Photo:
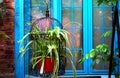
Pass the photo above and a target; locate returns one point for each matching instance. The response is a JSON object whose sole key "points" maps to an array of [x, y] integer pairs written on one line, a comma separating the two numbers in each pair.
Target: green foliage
{"points": [[2, 9], [48, 43], [3, 35], [100, 53], [106, 2]]}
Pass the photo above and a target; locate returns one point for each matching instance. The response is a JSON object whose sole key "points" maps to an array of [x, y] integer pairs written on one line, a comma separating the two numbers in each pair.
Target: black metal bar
{"points": [[112, 43]]}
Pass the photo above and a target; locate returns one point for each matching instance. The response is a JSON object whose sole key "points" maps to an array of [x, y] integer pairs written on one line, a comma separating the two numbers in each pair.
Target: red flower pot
{"points": [[48, 64]]}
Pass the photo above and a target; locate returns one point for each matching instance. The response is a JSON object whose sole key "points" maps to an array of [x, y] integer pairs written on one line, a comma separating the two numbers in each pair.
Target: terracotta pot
{"points": [[48, 65]]}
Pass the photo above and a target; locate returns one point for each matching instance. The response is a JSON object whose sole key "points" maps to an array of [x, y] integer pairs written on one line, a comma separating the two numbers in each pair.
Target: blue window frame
{"points": [[22, 14], [19, 32]]}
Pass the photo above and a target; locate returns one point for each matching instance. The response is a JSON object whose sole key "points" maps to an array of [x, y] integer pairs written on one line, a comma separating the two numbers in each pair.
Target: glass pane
{"points": [[78, 38], [66, 2], [102, 20], [77, 56], [108, 17], [106, 65], [96, 37], [98, 66], [68, 64], [35, 13], [77, 2], [35, 2], [108, 39], [78, 16], [66, 18], [97, 17], [40, 2], [72, 21]]}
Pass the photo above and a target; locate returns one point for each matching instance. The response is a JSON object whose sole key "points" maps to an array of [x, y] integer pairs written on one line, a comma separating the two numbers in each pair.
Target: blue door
{"points": [[82, 18]]}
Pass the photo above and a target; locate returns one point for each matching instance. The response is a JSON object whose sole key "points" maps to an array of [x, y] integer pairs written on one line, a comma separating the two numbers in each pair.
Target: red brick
{"points": [[9, 13], [6, 61], [2, 42], [1, 22], [2, 47], [8, 1], [6, 70], [3, 65], [9, 33], [8, 24], [6, 57], [10, 42], [7, 46], [9, 51], [9, 5], [2, 52], [10, 19]]}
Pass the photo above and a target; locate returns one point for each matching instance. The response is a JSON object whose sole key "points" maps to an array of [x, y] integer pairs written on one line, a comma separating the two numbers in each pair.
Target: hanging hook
{"points": [[45, 2], [47, 10]]}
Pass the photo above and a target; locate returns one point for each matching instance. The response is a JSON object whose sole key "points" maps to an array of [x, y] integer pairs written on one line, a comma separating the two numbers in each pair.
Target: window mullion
{"points": [[19, 33], [85, 32], [57, 10], [90, 31]]}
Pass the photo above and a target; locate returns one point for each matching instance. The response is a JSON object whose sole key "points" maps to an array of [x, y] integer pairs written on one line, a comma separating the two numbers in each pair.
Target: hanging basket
{"points": [[49, 22]]}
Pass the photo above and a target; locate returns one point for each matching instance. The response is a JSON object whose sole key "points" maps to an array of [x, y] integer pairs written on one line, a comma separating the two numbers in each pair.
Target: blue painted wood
{"points": [[85, 33], [118, 68], [19, 32], [27, 27], [116, 46], [90, 33], [119, 11], [56, 9]]}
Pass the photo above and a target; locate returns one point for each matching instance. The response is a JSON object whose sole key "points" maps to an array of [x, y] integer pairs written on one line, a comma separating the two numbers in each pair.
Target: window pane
{"points": [[35, 13], [108, 39], [40, 2], [78, 16], [77, 56], [72, 21], [66, 18], [66, 2], [102, 22], [108, 17], [96, 37], [78, 38], [35, 2], [98, 66], [97, 17], [77, 2]]}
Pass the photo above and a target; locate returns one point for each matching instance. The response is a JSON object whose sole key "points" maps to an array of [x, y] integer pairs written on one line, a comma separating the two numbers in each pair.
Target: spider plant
{"points": [[48, 43]]}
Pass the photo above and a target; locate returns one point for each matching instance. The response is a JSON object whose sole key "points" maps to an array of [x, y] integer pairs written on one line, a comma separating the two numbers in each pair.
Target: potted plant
{"points": [[46, 46]]}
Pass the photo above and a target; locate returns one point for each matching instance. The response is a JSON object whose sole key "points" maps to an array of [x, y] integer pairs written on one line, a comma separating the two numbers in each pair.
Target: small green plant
{"points": [[101, 53], [106, 2]]}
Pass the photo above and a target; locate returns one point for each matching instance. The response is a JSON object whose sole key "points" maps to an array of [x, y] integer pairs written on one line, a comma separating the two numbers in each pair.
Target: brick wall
{"points": [[7, 46]]}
